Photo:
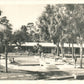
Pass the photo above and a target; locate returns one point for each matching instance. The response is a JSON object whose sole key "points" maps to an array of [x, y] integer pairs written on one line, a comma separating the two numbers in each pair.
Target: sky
{"points": [[21, 14]]}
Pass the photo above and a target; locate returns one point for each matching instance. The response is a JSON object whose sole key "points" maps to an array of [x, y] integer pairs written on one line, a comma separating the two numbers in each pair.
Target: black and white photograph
{"points": [[41, 41]]}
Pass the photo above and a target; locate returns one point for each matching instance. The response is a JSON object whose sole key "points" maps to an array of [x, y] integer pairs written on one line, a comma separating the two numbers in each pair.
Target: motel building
{"points": [[48, 47]]}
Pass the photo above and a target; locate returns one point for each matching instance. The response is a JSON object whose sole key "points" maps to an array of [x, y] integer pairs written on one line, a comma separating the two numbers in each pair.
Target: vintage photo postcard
{"points": [[41, 40]]}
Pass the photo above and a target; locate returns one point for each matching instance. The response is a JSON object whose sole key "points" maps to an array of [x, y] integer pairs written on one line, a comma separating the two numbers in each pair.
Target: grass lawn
{"points": [[27, 60], [14, 74], [29, 75], [35, 75]]}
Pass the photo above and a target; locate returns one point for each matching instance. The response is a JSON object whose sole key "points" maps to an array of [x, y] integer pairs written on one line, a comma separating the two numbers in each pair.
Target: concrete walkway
{"points": [[12, 77]]}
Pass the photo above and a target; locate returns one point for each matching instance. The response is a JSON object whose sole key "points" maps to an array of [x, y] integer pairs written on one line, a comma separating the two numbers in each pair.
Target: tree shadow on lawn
{"points": [[16, 63], [36, 75], [46, 75]]}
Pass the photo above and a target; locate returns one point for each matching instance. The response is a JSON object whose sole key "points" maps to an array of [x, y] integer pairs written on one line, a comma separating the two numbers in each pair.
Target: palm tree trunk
{"points": [[81, 55], [57, 49], [62, 50], [69, 46], [72, 50], [69, 49]]}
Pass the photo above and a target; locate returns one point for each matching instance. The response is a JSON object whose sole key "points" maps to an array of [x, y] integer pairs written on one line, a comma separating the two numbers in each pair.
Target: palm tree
{"points": [[6, 31]]}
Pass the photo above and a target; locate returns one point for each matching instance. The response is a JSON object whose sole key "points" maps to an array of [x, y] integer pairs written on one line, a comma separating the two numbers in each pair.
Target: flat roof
{"points": [[45, 44], [42, 44]]}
